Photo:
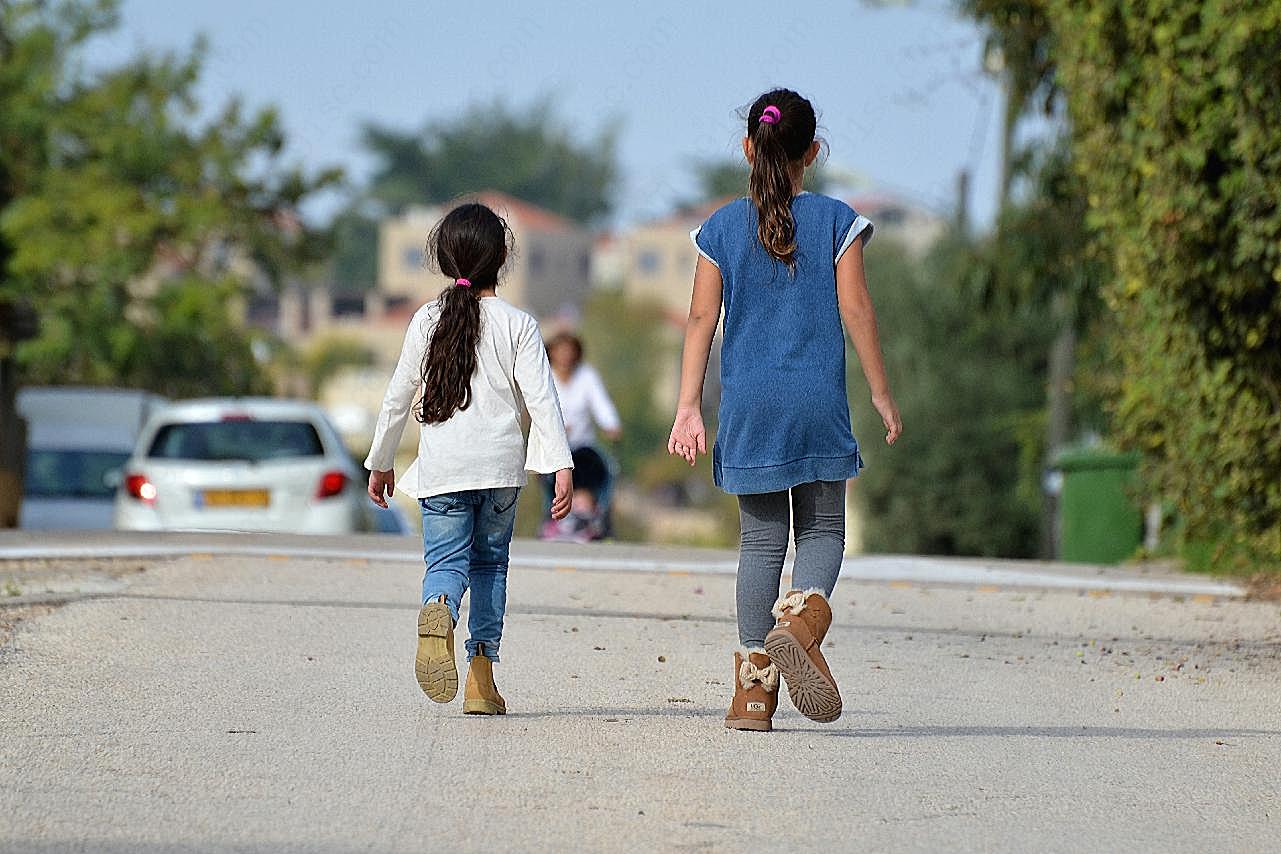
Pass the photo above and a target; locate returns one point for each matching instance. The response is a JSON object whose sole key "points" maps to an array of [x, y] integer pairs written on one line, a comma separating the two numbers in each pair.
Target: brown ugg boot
{"points": [[793, 644], [755, 692], [434, 662], [481, 696]]}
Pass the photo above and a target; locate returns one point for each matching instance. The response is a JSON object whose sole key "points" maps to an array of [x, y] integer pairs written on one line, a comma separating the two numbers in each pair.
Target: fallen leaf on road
{"points": [[662, 659]]}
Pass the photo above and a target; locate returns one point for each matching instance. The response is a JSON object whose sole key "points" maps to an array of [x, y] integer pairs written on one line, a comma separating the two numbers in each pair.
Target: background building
{"points": [[549, 275], [659, 259], [913, 227], [656, 259]]}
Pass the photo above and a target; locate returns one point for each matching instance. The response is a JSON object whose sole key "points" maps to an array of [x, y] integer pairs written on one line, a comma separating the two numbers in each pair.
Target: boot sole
{"points": [[749, 724], [813, 694], [434, 663], [482, 707]]}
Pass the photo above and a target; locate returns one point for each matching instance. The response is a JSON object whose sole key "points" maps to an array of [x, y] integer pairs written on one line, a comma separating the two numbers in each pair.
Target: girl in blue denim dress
{"points": [[473, 362], [787, 268]]}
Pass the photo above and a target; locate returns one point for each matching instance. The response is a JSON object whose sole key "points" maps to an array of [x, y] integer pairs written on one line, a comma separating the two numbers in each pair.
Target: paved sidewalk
{"points": [[267, 703]]}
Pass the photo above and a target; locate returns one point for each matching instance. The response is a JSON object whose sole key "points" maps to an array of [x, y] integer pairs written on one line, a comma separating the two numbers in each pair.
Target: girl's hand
{"points": [[564, 495], [888, 410], [689, 436], [382, 485]]}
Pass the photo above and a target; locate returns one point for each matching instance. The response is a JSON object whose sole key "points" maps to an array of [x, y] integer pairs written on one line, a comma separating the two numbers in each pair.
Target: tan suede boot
{"points": [[755, 692], [481, 696], [434, 662], [793, 645]]}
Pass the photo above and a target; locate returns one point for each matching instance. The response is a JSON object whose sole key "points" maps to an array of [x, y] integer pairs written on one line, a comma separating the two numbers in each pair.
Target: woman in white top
{"points": [[586, 406], [478, 362], [583, 399]]}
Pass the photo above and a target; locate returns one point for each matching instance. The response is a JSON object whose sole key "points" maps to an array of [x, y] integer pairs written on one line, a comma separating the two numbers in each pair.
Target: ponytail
{"points": [[770, 187], [451, 357], [470, 245], [781, 126]]}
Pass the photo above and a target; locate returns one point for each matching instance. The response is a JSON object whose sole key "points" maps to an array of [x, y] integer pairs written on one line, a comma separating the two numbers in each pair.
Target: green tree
{"points": [[968, 366], [529, 153], [1019, 50], [631, 344], [354, 235], [1173, 108], [129, 223], [1047, 227], [717, 178], [326, 358]]}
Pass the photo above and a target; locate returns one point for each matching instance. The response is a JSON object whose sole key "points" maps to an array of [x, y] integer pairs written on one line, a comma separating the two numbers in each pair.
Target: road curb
{"points": [[897, 570]]}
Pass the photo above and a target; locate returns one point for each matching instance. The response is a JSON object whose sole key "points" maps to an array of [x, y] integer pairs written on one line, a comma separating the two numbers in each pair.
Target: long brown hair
{"points": [[776, 146], [470, 244]]}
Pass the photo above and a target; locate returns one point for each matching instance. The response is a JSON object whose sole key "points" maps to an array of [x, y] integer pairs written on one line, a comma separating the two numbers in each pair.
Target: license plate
{"points": [[235, 498]]}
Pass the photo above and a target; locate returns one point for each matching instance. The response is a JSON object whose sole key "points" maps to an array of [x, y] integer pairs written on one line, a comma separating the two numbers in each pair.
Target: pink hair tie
{"points": [[770, 115], [463, 283]]}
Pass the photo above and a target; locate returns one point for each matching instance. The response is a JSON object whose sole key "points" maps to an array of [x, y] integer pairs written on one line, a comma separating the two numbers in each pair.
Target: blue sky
{"points": [[904, 105]]}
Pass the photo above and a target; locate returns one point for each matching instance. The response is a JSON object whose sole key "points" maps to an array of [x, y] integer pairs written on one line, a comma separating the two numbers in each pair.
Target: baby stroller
{"points": [[589, 515]]}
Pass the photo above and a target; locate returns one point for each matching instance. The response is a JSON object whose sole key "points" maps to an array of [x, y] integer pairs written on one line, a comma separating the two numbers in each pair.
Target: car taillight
{"points": [[140, 488], [331, 484]]}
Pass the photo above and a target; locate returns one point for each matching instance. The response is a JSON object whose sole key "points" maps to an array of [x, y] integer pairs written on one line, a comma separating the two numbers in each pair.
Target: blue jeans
{"points": [[467, 537]]}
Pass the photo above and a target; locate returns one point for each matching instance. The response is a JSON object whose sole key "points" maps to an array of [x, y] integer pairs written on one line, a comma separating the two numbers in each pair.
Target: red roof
{"points": [[527, 214], [870, 202]]}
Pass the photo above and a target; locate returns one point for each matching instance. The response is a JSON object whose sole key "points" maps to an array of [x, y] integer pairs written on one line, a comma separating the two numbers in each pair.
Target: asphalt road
{"points": [[255, 698]]}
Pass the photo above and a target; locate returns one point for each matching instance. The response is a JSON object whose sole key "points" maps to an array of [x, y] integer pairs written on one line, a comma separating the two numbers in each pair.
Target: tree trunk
{"points": [[12, 442]]}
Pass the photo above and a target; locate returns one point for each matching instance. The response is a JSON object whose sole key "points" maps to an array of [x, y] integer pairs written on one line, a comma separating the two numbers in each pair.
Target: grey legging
{"points": [[818, 512]]}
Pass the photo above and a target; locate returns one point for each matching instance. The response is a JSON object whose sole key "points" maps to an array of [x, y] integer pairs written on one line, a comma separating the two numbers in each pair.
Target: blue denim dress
{"points": [[784, 413]]}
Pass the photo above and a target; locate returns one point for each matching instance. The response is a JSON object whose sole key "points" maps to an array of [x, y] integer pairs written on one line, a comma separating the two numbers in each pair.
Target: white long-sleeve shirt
{"points": [[482, 446], [585, 403]]}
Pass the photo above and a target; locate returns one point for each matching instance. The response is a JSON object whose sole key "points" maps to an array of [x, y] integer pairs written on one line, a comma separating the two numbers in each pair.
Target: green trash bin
{"points": [[1099, 520]]}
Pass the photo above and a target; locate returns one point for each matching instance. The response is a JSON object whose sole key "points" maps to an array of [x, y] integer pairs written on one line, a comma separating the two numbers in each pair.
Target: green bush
{"points": [[1174, 110]]}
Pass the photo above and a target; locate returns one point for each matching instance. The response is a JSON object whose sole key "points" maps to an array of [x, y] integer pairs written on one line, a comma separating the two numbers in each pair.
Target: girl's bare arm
{"points": [[860, 321], [689, 437]]}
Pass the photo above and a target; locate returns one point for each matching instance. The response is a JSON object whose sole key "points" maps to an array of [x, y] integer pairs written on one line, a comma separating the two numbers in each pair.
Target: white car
{"points": [[242, 464]]}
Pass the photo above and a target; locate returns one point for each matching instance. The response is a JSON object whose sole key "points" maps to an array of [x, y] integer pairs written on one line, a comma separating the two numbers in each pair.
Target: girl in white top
{"points": [[478, 362]]}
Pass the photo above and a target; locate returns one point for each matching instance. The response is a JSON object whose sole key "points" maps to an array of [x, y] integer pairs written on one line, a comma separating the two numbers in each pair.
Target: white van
{"points": [[77, 442]]}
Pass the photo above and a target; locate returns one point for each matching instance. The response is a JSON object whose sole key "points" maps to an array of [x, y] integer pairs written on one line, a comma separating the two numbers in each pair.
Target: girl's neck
{"points": [[798, 179]]}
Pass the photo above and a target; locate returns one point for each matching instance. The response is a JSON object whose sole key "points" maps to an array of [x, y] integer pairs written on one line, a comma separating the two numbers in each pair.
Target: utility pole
{"points": [[1058, 416]]}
